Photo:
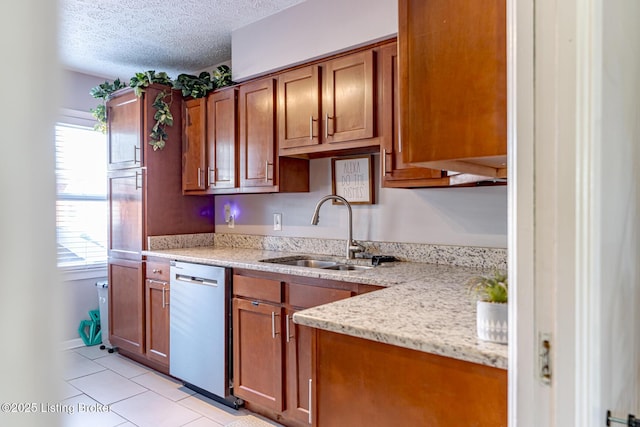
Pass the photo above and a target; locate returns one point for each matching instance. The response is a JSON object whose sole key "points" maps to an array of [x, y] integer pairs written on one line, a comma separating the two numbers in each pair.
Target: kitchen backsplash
{"points": [[464, 256], [158, 243]]}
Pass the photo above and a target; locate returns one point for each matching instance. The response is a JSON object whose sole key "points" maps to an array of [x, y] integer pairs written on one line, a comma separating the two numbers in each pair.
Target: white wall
{"points": [[308, 30], [81, 296], [76, 87], [619, 209], [474, 216]]}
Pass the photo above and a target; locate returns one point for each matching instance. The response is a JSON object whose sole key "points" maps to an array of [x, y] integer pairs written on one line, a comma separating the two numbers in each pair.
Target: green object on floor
{"points": [[95, 316], [89, 330]]}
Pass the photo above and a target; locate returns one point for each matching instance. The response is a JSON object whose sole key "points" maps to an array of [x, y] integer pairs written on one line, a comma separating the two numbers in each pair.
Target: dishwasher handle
{"points": [[196, 280]]}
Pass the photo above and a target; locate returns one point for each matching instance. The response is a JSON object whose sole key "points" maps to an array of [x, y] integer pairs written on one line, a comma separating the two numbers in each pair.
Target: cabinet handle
{"points": [[326, 125], [199, 180], [164, 301], [310, 398], [266, 171], [311, 120], [288, 328], [135, 154], [212, 182], [138, 174], [286, 321], [273, 325], [384, 162]]}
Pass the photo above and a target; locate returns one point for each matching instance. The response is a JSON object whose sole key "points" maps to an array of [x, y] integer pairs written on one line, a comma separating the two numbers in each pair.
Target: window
{"points": [[81, 205]]}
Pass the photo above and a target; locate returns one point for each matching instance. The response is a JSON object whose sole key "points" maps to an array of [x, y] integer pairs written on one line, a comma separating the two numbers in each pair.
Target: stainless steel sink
{"points": [[348, 267], [312, 262]]}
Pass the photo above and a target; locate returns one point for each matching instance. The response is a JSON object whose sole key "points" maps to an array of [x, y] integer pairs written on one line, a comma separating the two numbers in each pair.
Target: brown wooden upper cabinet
{"points": [[261, 169], [194, 144], [222, 139], [210, 144], [328, 106], [452, 57], [395, 172], [257, 133], [125, 113]]}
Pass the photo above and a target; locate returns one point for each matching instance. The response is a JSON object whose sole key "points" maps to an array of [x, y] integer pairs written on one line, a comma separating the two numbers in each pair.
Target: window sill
{"points": [[68, 274]]}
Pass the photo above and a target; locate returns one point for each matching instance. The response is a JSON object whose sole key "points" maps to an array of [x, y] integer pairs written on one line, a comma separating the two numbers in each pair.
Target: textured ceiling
{"points": [[117, 38]]}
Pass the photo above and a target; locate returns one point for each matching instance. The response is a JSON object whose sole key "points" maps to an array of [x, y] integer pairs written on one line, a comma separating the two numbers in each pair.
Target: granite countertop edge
{"points": [[424, 306]]}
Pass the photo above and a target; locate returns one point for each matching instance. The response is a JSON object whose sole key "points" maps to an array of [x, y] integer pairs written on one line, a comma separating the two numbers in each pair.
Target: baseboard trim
{"points": [[71, 344]]}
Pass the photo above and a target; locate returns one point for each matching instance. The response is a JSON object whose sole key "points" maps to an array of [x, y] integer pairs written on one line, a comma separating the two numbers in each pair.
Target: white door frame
{"points": [[520, 125], [553, 238]]}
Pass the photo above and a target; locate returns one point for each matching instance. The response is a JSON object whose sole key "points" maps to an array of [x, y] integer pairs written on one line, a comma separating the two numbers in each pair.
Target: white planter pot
{"points": [[492, 321]]}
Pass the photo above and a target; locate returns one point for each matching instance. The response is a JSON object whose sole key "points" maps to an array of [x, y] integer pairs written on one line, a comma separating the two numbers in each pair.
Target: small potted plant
{"points": [[492, 293]]}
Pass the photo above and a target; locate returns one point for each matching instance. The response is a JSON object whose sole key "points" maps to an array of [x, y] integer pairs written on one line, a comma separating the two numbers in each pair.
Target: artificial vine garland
{"points": [[193, 86], [163, 116], [103, 91]]}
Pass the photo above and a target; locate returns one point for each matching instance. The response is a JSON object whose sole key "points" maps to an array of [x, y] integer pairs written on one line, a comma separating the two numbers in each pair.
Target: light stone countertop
{"points": [[424, 307]]}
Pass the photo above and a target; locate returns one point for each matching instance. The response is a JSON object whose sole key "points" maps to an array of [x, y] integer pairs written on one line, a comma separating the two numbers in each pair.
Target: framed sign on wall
{"points": [[352, 178]]}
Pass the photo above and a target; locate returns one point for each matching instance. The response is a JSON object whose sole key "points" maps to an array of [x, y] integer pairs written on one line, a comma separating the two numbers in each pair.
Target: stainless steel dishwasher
{"points": [[200, 330]]}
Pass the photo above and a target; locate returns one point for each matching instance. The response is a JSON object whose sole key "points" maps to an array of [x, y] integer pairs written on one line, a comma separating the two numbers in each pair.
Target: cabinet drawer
{"points": [[305, 296], [158, 270], [256, 288]]}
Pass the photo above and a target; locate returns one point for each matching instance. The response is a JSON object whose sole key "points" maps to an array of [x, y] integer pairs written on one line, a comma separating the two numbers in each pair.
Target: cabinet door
{"points": [[157, 321], [124, 121], [298, 345], [126, 305], [348, 103], [299, 108], [257, 133], [257, 353], [222, 140], [193, 145], [299, 368], [453, 84], [126, 233], [395, 172]]}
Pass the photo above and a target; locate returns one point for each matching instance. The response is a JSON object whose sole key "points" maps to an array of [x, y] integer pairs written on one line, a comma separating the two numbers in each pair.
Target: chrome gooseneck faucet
{"points": [[352, 245]]}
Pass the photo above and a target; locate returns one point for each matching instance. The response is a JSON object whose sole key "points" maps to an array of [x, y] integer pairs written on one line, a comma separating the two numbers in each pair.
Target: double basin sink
{"points": [[312, 262]]}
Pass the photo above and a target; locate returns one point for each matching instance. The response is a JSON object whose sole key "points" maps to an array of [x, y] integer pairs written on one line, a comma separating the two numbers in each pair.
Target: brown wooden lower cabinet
{"points": [[360, 383], [271, 354], [126, 305], [298, 369], [157, 321], [257, 349], [139, 310]]}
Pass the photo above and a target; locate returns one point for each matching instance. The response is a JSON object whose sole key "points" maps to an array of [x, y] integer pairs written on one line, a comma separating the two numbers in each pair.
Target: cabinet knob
{"points": [[157, 271]]}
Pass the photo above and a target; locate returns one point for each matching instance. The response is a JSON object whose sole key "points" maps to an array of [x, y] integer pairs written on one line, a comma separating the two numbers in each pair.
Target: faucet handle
{"points": [[355, 247]]}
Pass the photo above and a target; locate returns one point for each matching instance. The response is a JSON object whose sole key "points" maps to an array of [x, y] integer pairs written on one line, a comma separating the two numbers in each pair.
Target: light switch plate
{"points": [[277, 221]]}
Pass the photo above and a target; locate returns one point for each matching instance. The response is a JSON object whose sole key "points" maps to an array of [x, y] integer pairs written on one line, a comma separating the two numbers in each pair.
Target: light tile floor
{"points": [[137, 396]]}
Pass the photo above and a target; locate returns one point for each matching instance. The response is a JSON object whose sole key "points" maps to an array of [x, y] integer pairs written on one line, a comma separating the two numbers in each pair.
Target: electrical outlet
{"points": [[232, 222], [277, 221], [227, 212]]}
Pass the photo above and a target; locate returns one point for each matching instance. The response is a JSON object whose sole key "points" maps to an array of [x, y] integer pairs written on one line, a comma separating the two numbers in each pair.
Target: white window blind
{"points": [[81, 206]]}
